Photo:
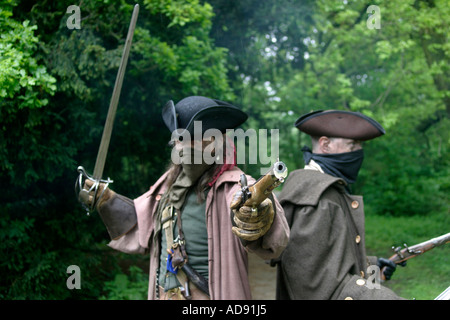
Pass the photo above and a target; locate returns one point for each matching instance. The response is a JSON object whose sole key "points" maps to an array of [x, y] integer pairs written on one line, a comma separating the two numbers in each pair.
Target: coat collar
{"points": [[232, 175], [304, 187]]}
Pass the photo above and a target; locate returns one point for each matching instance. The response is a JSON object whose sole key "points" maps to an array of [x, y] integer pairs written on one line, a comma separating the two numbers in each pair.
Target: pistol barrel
{"points": [[262, 188]]}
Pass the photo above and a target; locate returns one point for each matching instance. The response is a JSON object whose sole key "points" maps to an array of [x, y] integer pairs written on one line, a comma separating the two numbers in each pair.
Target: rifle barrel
{"points": [[418, 249]]}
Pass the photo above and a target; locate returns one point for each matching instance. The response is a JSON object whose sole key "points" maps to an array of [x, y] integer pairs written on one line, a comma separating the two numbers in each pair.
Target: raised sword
{"points": [[83, 194]]}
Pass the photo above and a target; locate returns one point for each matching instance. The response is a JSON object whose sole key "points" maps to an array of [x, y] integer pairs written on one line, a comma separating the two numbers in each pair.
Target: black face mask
{"points": [[341, 165]]}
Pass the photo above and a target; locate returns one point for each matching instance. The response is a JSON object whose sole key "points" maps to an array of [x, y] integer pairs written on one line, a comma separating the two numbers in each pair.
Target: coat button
{"points": [[158, 197], [355, 204], [358, 239], [360, 282]]}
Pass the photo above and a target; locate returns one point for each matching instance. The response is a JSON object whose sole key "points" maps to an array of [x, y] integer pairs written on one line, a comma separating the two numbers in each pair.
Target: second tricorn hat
{"points": [[339, 124]]}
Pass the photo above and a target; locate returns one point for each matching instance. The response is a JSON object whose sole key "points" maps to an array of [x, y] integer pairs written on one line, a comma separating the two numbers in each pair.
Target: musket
{"points": [[409, 252], [82, 194]]}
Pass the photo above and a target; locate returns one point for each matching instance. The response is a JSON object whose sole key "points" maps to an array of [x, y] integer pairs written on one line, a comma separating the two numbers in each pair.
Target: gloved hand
{"points": [[389, 267], [101, 197], [251, 223]]}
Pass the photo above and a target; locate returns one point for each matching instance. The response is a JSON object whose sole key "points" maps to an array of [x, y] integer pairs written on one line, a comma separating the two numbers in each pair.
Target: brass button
{"points": [[355, 204], [358, 239], [348, 298], [158, 197], [360, 282]]}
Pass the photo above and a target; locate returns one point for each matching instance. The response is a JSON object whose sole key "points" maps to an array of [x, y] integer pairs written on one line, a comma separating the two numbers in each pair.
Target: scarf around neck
{"points": [[187, 178], [341, 165]]}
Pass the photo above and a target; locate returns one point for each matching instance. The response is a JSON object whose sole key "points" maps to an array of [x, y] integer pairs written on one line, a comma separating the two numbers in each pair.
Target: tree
{"points": [[266, 49], [57, 83], [26, 87], [326, 55]]}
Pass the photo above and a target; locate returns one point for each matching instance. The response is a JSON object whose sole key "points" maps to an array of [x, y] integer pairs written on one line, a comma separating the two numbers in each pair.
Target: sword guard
{"points": [[83, 194]]}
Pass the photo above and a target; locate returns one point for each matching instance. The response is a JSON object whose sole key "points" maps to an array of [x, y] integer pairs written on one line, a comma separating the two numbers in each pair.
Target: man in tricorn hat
{"points": [[325, 257], [183, 222]]}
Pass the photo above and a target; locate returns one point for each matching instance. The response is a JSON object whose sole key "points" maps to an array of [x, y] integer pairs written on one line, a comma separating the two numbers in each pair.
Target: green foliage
{"points": [[182, 12], [416, 173], [25, 88], [56, 85], [35, 254], [397, 74], [127, 287]]}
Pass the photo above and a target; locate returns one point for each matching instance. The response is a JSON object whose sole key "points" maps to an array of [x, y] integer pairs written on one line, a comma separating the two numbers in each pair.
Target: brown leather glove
{"points": [[251, 223], [101, 197], [116, 211]]}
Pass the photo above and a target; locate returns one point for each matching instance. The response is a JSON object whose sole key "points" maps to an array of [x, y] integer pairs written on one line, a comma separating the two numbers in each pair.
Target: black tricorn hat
{"points": [[339, 124], [214, 114]]}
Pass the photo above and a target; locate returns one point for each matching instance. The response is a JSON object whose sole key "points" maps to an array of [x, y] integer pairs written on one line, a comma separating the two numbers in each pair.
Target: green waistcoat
{"points": [[193, 221]]}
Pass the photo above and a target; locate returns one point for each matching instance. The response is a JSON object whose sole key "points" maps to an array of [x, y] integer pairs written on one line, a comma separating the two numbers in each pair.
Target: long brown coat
{"points": [[228, 261], [325, 257]]}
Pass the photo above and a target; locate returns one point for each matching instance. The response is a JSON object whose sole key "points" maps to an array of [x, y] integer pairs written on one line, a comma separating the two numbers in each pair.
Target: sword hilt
{"points": [[83, 194]]}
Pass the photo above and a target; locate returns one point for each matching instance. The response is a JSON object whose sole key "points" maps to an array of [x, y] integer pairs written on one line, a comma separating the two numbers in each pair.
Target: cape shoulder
{"points": [[304, 187]]}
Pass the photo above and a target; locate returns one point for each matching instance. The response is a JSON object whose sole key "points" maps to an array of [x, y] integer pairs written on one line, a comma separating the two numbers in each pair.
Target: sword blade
{"points": [[106, 136]]}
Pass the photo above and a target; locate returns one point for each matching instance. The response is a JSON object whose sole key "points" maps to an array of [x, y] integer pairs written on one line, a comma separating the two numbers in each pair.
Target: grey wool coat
{"points": [[325, 257]]}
